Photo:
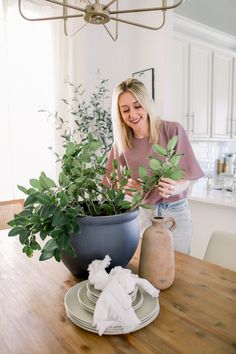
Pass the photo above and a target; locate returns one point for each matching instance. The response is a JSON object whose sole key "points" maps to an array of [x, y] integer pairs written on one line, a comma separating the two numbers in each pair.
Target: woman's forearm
{"points": [[181, 186]]}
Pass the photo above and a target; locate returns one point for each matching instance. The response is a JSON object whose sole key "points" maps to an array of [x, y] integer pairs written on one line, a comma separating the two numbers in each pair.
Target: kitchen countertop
{"points": [[198, 192]]}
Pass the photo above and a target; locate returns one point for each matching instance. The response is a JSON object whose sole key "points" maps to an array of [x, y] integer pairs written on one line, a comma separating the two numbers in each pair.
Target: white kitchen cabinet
{"points": [[221, 94], [233, 114], [200, 69], [180, 82], [203, 90], [192, 87]]}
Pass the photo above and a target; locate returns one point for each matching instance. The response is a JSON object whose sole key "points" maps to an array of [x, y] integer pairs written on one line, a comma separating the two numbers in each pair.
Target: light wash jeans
{"points": [[180, 212]]}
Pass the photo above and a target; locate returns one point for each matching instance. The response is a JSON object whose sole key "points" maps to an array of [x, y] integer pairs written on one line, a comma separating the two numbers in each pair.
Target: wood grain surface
{"points": [[197, 313]]}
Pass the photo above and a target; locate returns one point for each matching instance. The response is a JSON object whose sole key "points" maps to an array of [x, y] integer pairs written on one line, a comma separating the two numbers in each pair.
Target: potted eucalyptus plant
{"points": [[77, 218]]}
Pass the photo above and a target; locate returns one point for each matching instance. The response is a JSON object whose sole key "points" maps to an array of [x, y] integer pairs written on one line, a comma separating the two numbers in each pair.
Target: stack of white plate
{"points": [[93, 294], [80, 302]]}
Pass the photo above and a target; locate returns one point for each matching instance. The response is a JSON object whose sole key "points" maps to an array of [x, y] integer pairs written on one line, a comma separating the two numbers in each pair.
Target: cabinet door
{"points": [[233, 115], [200, 73], [221, 95], [180, 82]]}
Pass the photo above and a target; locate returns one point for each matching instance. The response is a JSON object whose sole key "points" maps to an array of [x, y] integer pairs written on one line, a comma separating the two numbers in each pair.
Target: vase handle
{"points": [[172, 222]]}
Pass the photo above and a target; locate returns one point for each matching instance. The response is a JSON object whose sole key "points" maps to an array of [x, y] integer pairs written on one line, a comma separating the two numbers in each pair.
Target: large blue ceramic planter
{"points": [[115, 235]]}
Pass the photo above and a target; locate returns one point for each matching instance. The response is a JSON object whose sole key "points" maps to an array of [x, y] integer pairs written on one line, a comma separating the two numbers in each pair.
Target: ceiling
{"points": [[219, 14]]}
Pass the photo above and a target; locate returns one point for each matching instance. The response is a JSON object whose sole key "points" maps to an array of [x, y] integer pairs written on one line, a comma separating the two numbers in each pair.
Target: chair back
{"points": [[7, 211], [221, 249]]}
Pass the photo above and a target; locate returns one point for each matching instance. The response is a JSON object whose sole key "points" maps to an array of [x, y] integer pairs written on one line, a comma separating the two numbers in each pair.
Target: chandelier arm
{"points": [[140, 24], [43, 18], [71, 35], [114, 38], [65, 14], [110, 34], [109, 4], [65, 4], [162, 8]]}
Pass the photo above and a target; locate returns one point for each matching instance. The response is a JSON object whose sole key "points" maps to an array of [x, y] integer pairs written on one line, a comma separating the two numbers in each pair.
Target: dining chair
{"points": [[221, 249], [8, 209]]}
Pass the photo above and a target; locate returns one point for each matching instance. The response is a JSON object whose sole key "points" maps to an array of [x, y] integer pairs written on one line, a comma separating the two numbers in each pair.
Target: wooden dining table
{"points": [[197, 313]]}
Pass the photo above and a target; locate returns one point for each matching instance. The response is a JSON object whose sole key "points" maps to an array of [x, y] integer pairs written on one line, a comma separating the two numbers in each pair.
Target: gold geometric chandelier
{"points": [[100, 14]]}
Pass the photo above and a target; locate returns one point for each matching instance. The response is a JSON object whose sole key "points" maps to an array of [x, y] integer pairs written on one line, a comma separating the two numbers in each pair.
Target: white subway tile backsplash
{"points": [[207, 153]]}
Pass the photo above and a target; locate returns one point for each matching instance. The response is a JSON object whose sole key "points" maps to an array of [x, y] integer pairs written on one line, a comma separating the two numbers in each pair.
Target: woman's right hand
{"points": [[133, 184]]}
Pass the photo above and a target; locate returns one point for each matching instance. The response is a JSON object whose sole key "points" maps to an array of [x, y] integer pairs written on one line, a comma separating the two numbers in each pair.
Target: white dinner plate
{"points": [[115, 330], [147, 312], [90, 306], [93, 294]]}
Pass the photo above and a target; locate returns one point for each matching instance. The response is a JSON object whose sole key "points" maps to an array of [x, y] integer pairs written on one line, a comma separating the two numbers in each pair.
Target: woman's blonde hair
{"points": [[123, 133]]}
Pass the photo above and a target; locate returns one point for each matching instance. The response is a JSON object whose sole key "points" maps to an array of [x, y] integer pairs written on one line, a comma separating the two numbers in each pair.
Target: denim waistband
{"points": [[165, 205]]}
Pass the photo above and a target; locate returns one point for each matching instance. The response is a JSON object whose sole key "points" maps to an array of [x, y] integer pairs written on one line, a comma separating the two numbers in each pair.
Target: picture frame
{"points": [[147, 77]]}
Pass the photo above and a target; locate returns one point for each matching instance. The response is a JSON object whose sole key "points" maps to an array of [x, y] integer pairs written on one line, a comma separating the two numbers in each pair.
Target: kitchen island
{"points": [[211, 210]]}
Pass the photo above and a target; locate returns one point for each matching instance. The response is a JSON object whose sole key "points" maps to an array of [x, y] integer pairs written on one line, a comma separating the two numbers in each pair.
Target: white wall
{"points": [[136, 49]]}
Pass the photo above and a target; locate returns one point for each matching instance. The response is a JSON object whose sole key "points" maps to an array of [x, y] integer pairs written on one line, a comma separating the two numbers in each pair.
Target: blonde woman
{"points": [[136, 127]]}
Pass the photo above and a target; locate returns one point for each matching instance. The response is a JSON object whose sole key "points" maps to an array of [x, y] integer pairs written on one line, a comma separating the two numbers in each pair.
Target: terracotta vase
{"points": [[157, 262]]}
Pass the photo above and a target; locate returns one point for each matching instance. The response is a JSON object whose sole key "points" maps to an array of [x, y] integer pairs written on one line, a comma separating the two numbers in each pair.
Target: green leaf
{"points": [[146, 206], [12, 223], [51, 245], [18, 220], [15, 231], [35, 218], [70, 251], [43, 234], [101, 159], [64, 180], [95, 145], [46, 182], [159, 149], [142, 172], [29, 252], [35, 246], [59, 219], [35, 183], [43, 198], [70, 149], [31, 191], [23, 236], [155, 164], [63, 241], [57, 255], [46, 255], [171, 144], [22, 189], [63, 198], [30, 200], [111, 193], [137, 198], [177, 174], [175, 160], [27, 212], [47, 211]]}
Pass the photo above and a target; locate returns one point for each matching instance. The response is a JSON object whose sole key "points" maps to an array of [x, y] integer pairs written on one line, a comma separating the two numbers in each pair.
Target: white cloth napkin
{"points": [[114, 305]]}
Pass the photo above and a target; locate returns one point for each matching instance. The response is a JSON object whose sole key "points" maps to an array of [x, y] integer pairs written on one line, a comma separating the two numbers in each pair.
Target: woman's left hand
{"points": [[166, 187], [132, 186]]}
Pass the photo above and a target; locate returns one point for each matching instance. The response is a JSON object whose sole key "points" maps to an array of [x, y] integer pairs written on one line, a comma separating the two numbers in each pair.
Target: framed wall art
{"points": [[147, 77]]}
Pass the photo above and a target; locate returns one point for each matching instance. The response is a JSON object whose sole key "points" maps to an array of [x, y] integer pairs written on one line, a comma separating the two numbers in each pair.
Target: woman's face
{"points": [[133, 114]]}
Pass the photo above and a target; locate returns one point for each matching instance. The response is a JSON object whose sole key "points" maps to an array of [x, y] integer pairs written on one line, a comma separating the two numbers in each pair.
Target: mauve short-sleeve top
{"points": [[142, 149]]}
